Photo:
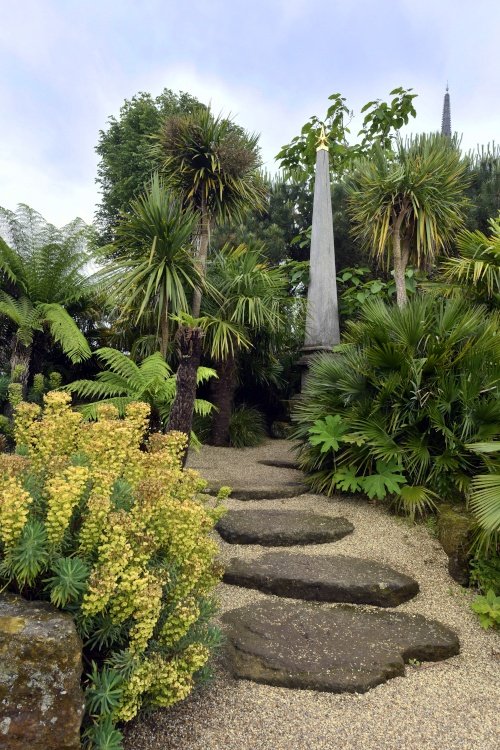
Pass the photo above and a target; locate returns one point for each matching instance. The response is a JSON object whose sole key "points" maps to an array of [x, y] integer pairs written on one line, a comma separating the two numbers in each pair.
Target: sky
{"points": [[67, 65]]}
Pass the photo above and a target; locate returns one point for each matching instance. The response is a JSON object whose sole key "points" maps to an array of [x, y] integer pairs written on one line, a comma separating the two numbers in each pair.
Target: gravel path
{"points": [[450, 705]]}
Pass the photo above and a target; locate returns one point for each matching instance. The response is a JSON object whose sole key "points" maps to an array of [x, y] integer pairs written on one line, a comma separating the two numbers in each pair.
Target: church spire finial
{"points": [[446, 121]]}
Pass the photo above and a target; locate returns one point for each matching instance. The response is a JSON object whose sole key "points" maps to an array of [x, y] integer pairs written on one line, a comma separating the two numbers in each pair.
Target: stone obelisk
{"points": [[322, 319]]}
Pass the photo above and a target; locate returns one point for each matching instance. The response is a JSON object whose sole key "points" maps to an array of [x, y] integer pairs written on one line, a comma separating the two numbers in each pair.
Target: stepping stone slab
{"points": [[266, 492], [335, 649], [323, 578], [281, 528], [280, 463]]}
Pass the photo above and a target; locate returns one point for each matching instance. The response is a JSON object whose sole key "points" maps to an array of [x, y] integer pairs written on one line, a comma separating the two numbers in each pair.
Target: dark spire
{"points": [[446, 121]]}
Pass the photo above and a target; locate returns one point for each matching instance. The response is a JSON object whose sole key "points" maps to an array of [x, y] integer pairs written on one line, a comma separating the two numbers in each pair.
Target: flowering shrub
{"points": [[119, 537]]}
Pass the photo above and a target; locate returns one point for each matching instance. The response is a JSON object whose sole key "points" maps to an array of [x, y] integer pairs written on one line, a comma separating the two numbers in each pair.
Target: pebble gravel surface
{"points": [[450, 705]]}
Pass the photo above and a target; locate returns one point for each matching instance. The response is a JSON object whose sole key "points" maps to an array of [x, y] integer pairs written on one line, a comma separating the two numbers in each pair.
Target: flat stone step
{"points": [[281, 528], [322, 578], [280, 463], [335, 649], [263, 492]]}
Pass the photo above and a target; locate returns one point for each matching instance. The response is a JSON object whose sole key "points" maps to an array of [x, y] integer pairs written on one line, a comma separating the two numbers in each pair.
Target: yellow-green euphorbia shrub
{"points": [[116, 532]]}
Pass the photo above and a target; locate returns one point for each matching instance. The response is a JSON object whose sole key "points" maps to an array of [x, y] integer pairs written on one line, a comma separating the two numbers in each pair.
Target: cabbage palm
{"points": [[213, 165], [152, 267], [42, 273], [476, 269], [406, 204]]}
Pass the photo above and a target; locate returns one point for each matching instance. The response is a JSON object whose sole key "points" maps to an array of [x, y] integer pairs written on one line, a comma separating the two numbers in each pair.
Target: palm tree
{"points": [[125, 381], [41, 275], [476, 269], [251, 297], [152, 266], [213, 165], [408, 203]]}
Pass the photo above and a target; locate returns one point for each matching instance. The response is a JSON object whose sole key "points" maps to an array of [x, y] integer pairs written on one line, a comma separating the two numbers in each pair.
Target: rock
{"points": [[322, 578], [281, 528], [455, 526], [335, 649], [41, 700], [262, 492]]}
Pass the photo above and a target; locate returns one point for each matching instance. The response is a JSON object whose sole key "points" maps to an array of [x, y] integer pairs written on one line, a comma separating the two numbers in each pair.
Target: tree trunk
{"points": [[181, 414], [223, 389], [399, 269], [20, 359], [164, 333], [201, 260]]}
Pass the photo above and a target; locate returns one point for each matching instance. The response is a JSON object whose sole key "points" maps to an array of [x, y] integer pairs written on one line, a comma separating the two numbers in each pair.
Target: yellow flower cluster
{"points": [[167, 681], [14, 510], [184, 614], [143, 531], [51, 439], [63, 494]]}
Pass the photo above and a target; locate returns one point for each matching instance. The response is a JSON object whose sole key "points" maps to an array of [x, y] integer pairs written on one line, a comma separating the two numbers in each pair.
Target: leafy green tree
{"points": [[213, 165], [152, 266], [407, 203], [403, 396], [126, 159], [42, 273]]}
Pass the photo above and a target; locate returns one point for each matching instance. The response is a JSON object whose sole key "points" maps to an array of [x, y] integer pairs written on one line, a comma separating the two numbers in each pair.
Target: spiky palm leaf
{"points": [[484, 500], [152, 265], [476, 269]]}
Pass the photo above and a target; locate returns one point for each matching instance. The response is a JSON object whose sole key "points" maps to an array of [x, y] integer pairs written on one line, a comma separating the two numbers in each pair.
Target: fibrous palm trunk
{"points": [[189, 342], [201, 259], [223, 389]]}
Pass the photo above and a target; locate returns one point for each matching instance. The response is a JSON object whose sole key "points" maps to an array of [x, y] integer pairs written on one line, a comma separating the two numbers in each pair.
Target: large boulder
{"points": [[455, 527], [41, 700]]}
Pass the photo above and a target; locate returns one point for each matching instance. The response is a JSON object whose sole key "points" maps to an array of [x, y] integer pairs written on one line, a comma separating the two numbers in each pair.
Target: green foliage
{"points": [[475, 271], [211, 163], [41, 280], [14, 394], [124, 381], [381, 122], [246, 427], [485, 573], [484, 189], [69, 581], [393, 410], [152, 267], [358, 285], [484, 500], [488, 609], [126, 160], [408, 202]]}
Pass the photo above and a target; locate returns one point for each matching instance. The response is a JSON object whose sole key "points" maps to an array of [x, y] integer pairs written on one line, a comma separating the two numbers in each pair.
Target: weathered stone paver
{"points": [[335, 649], [281, 528], [256, 491], [322, 578]]}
